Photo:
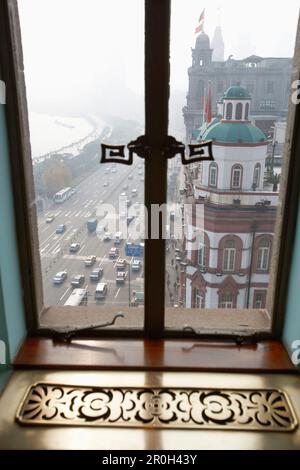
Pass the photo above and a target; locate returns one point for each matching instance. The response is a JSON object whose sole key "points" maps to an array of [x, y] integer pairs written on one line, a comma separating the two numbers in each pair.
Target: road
{"points": [[74, 213]]}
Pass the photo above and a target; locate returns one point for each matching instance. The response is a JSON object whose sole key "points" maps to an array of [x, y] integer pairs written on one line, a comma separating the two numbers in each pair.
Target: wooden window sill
{"points": [[167, 355]]}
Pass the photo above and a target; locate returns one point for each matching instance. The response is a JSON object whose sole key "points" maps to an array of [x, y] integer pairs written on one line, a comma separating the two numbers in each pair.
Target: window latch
{"points": [[197, 152], [68, 335]]}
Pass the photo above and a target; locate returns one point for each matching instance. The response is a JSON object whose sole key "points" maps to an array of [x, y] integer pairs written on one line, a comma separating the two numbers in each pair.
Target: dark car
{"points": [[96, 274], [77, 280], [60, 228]]}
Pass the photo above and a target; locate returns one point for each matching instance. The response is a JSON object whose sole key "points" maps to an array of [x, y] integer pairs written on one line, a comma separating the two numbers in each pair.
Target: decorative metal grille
{"points": [[198, 408]]}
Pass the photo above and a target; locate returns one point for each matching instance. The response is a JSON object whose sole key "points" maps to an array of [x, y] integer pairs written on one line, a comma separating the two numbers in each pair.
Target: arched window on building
{"points": [[236, 177], [229, 111], [229, 255], [202, 255], [247, 111], [199, 299], [263, 254], [213, 174], [226, 300], [238, 111], [256, 176]]}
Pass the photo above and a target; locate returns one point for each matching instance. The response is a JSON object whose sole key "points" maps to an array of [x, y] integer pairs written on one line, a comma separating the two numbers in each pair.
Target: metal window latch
{"points": [[68, 335], [116, 153], [140, 146], [198, 152]]}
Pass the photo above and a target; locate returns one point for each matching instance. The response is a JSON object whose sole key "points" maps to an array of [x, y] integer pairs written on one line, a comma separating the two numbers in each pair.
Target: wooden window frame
{"points": [[157, 32]]}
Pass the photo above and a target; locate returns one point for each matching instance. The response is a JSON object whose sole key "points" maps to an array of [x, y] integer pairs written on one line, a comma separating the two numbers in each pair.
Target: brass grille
{"points": [[197, 408]]}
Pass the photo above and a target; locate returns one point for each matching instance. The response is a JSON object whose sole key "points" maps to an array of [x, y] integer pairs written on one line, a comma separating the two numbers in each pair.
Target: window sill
{"points": [[167, 355]]}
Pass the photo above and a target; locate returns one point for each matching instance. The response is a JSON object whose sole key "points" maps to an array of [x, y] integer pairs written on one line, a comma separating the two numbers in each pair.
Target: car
{"points": [[121, 264], [106, 183], [60, 277], [60, 228], [96, 274], [74, 247], [73, 191], [118, 238], [113, 253], [140, 172], [136, 265], [172, 215], [130, 177], [125, 187], [50, 218], [77, 280], [134, 192], [120, 277], [178, 259], [101, 291], [90, 260], [137, 299], [107, 236], [128, 202], [114, 170], [123, 194]]}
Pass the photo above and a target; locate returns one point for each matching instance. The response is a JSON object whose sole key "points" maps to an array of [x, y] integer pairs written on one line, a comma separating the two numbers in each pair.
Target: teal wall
{"points": [[292, 321], [12, 318]]}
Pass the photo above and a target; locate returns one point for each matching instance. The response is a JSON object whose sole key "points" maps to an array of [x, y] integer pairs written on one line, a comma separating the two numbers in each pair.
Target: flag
{"points": [[208, 105], [200, 27]]}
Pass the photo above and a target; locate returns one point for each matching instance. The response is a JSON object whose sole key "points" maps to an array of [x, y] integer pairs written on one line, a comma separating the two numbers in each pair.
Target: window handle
{"points": [[171, 147]]}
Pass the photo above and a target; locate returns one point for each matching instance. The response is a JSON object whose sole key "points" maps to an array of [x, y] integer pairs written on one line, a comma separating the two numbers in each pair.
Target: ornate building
{"points": [[230, 266], [266, 78]]}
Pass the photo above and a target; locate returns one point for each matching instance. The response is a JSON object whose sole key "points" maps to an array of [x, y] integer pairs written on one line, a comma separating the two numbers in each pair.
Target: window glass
{"points": [[84, 72], [229, 206]]}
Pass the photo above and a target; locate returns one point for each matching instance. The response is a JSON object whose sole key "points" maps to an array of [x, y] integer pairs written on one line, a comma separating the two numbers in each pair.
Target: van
{"points": [[118, 238], [101, 291]]}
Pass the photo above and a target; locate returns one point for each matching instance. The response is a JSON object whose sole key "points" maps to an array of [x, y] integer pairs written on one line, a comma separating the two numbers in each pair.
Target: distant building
{"points": [[229, 268], [266, 78], [218, 45]]}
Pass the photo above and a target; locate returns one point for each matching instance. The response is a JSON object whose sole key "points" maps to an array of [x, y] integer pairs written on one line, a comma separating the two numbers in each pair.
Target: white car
{"points": [[60, 277]]}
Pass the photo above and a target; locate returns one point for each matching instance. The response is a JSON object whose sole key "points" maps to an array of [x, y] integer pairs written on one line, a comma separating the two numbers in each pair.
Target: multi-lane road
{"points": [[74, 213]]}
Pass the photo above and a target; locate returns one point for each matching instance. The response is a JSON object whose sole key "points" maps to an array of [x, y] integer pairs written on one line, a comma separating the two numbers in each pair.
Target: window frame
{"points": [[157, 31]]}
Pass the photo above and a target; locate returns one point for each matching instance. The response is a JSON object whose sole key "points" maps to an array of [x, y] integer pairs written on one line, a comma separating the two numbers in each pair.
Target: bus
{"points": [[63, 195], [78, 297]]}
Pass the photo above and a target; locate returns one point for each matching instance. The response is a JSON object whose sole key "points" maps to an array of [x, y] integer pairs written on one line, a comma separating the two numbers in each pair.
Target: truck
{"points": [[92, 225]]}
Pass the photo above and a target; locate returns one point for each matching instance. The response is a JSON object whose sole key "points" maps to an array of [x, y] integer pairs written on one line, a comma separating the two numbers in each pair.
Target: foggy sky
{"points": [[89, 54]]}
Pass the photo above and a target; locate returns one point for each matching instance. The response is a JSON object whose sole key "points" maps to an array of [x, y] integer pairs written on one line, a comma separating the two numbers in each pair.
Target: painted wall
{"points": [[292, 323], [12, 318]]}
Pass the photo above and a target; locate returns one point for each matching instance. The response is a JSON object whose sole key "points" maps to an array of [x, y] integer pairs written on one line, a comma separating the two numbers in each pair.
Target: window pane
{"points": [[84, 71], [230, 83]]}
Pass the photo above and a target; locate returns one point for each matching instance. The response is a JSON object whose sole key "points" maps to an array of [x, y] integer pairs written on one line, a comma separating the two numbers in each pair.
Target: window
{"points": [[247, 111], [259, 299], [213, 174], [221, 217], [202, 255], [199, 299], [229, 255], [226, 300], [229, 108], [263, 254], [236, 178], [238, 111], [256, 176]]}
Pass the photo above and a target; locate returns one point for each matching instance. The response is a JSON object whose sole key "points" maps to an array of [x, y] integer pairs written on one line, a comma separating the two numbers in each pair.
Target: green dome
{"points": [[236, 92], [234, 133]]}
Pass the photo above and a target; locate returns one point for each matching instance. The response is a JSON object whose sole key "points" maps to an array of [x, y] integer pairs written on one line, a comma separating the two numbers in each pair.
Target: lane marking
{"points": [[117, 293], [64, 294]]}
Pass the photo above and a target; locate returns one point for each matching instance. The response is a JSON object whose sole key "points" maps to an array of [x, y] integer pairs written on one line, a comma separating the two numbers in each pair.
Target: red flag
{"points": [[208, 104], [200, 27]]}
